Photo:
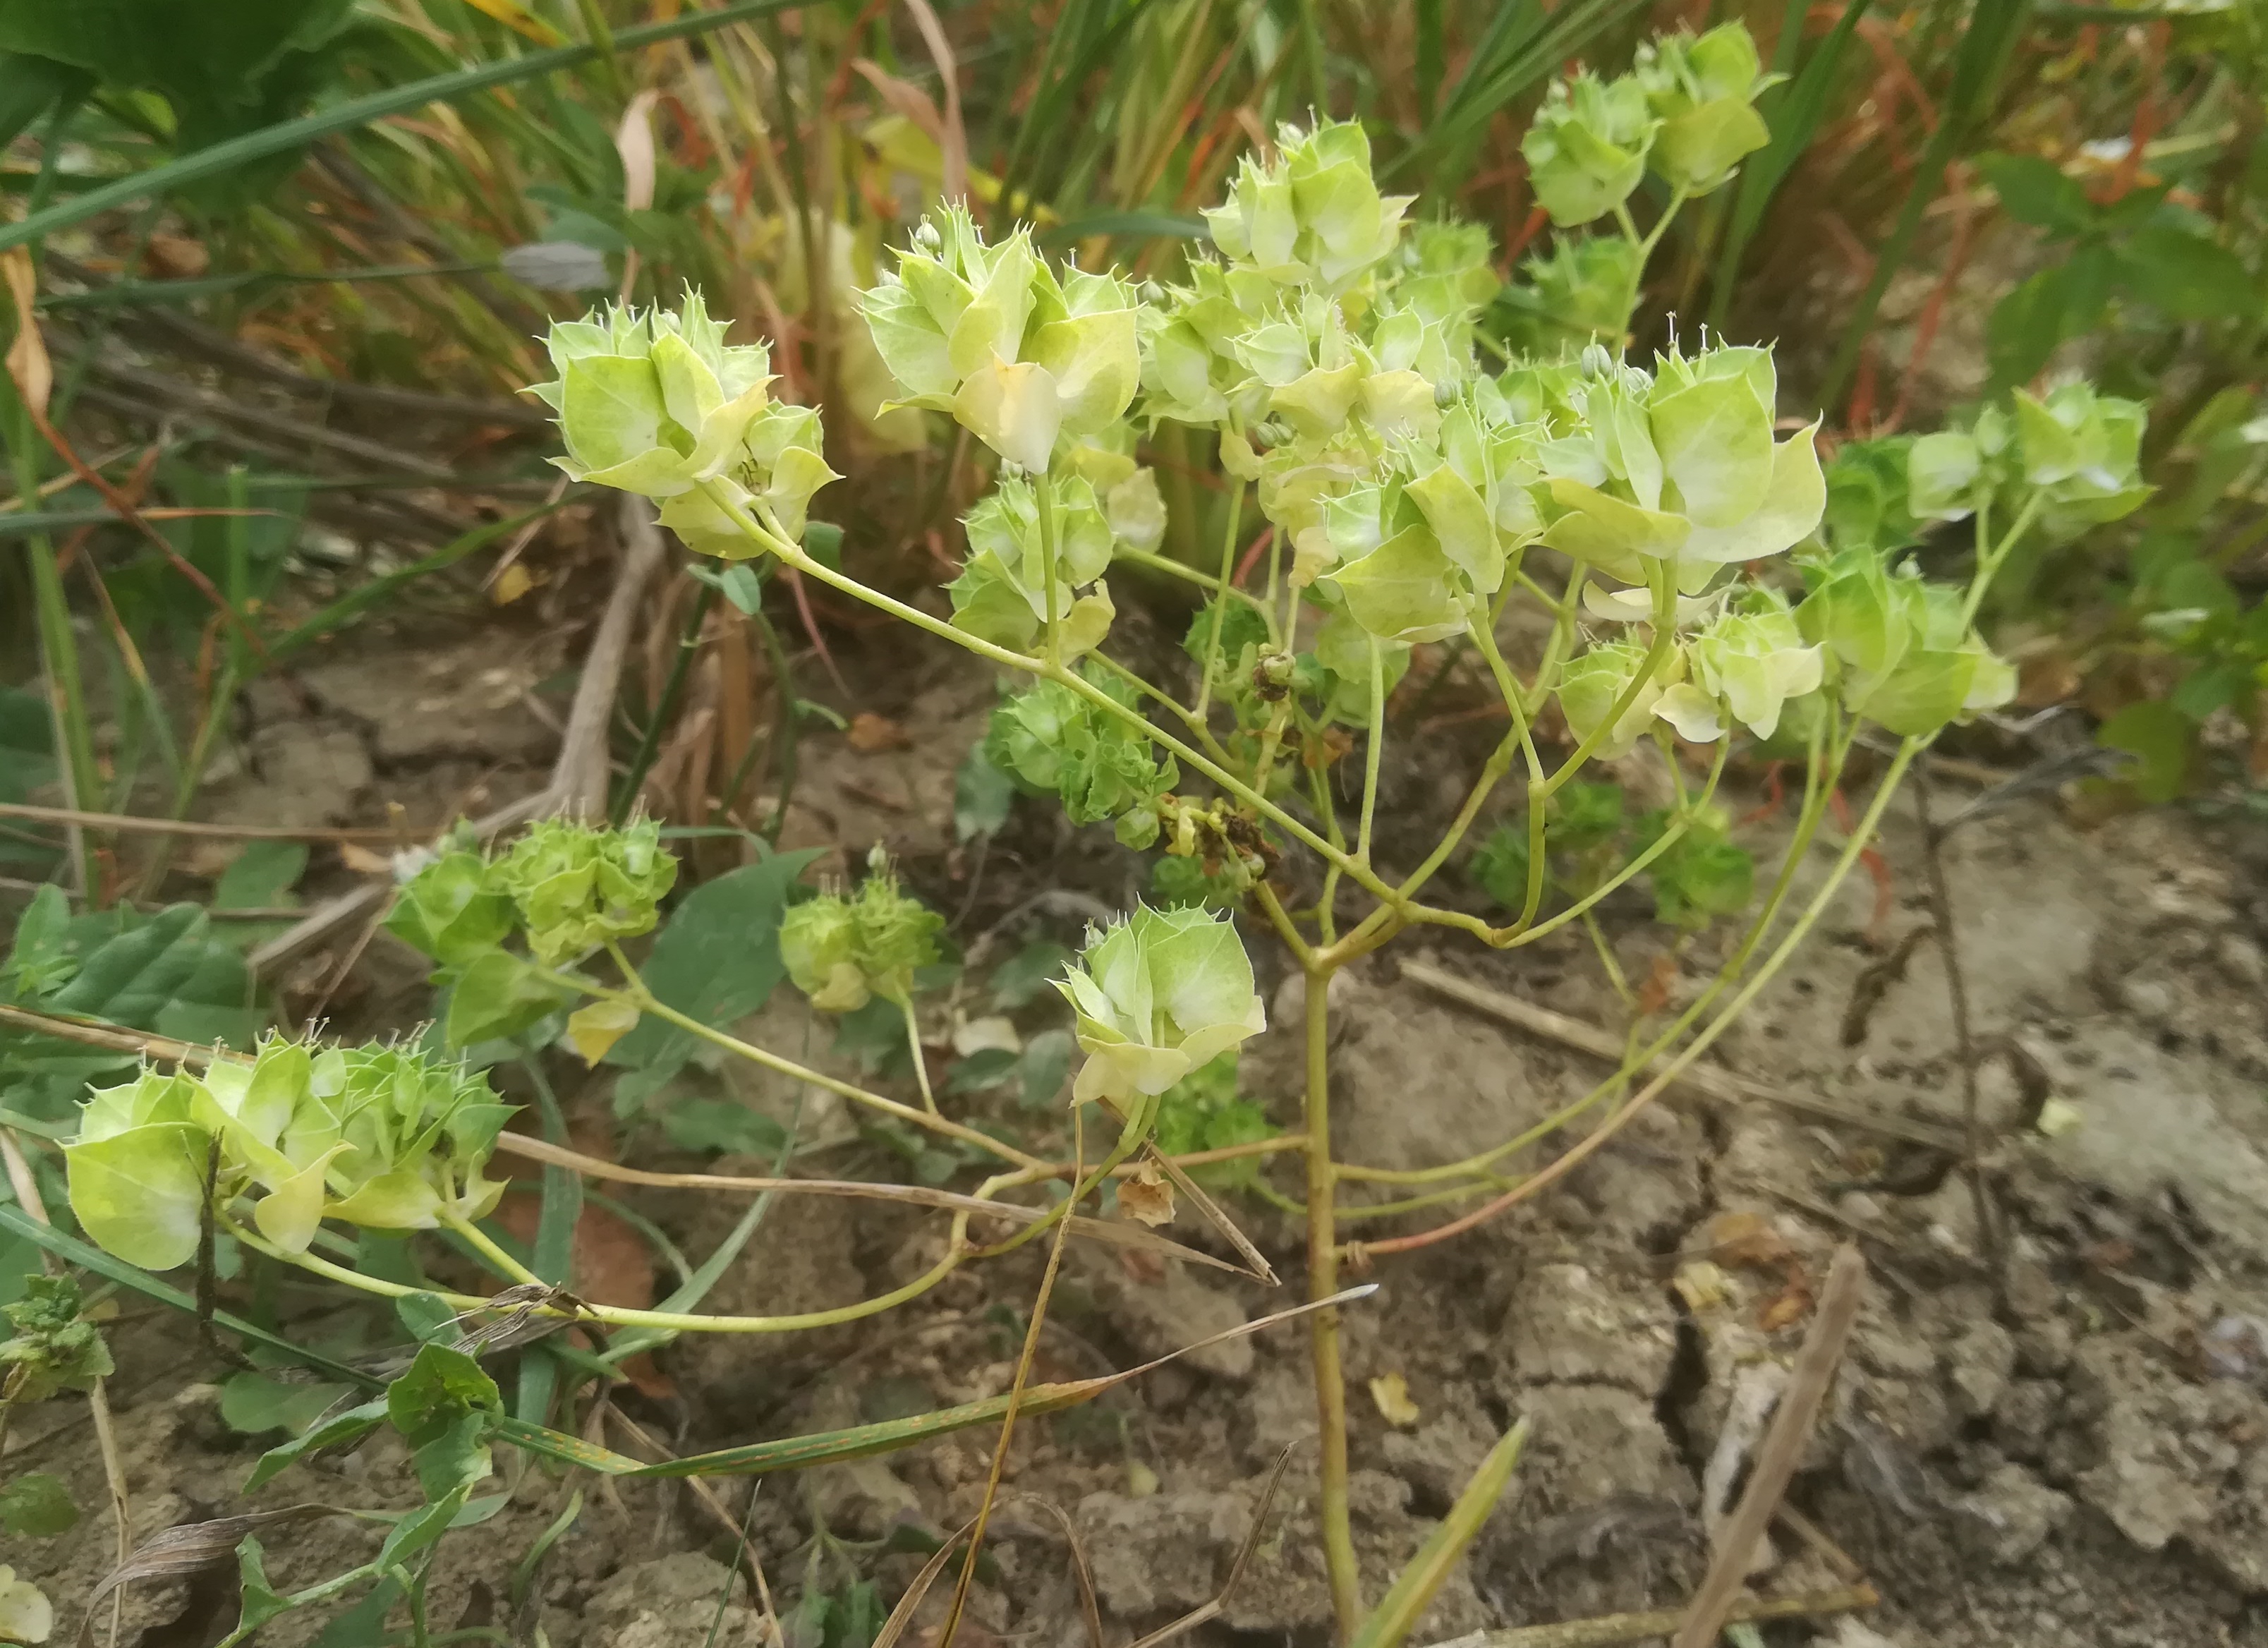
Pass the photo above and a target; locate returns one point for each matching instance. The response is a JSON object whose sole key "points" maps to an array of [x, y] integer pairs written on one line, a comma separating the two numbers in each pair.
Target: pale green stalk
{"points": [[1219, 605]]}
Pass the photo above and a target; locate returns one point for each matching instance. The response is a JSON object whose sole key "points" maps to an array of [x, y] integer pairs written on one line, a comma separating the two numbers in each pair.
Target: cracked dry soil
{"points": [[2077, 1455]]}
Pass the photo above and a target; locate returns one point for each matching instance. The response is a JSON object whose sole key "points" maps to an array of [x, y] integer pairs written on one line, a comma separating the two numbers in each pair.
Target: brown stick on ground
{"points": [[1783, 1445], [1621, 1628], [579, 779]]}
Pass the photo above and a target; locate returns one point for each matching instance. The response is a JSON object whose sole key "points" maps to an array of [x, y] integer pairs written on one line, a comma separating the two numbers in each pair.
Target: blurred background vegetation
{"points": [[289, 261]]}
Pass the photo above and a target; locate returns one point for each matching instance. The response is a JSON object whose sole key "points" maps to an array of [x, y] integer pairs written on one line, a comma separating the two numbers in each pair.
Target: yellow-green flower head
{"points": [[1682, 465], [1313, 216], [574, 887], [1443, 270], [1897, 647], [843, 952], [990, 335], [1002, 595], [1587, 148], [1754, 658], [656, 402], [1158, 994], [1703, 92], [380, 1136]]}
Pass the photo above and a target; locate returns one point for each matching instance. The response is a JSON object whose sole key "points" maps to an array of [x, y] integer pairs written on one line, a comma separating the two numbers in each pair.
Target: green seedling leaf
{"points": [[428, 1317], [445, 1408], [2187, 275], [1045, 1066], [985, 1069], [37, 1505], [2163, 739], [254, 1404], [2035, 191], [131, 978], [723, 1127], [716, 960]]}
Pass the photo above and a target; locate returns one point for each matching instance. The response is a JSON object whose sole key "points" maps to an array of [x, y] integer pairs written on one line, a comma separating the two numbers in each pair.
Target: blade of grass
{"points": [[16, 1220], [217, 158], [830, 1447], [1399, 1611]]}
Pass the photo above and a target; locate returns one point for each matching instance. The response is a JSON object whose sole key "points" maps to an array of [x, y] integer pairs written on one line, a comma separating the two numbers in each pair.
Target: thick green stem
{"points": [[1043, 492], [1373, 755], [914, 1052], [1322, 1282]]}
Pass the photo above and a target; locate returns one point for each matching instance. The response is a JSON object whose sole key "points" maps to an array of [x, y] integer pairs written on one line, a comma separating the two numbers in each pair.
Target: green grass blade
{"points": [[286, 135], [355, 602], [1153, 225], [87, 1257], [1398, 1612]]}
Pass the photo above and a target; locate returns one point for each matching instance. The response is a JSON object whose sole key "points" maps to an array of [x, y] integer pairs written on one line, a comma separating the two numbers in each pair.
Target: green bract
{"points": [[657, 402], [1593, 682], [1587, 149], [990, 335], [1313, 216], [2082, 452], [1680, 466], [52, 1349], [843, 952], [1702, 92], [380, 1136], [1755, 660], [1002, 595], [1158, 994], [1901, 654], [574, 887]]}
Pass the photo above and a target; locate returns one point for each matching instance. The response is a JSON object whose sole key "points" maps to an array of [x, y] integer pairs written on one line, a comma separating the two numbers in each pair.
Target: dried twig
{"points": [[1964, 1043], [1783, 1446], [1701, 1079], [1608, 1628]]}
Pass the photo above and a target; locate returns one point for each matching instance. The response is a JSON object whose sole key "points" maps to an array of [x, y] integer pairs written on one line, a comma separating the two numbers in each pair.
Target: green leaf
{"points": [[252, 1403], [1499, 868], [981, 795], [986, 1067], [2063, 301], [261, 1603], [721, 1126], [261, 876], [1045, 1066], [445, 1408], [129, 978], [428, 1318], [2163, 738], [498, 996], [716, 958], [2187, 275], [1024, 975], [2035, 191], [337, 1431], [37, 1505], [39, 961]]}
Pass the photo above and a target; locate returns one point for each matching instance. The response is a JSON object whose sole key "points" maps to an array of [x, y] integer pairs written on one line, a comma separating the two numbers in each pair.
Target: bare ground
{"points": [[2063, 1442]]}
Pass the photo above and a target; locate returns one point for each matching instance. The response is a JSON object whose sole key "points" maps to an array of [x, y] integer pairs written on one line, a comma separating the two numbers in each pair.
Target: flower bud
{"points": [[576, 888]]}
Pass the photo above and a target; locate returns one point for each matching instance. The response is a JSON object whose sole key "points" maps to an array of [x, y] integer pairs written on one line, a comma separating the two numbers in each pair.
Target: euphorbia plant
{"points": [[1640, 517]]}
